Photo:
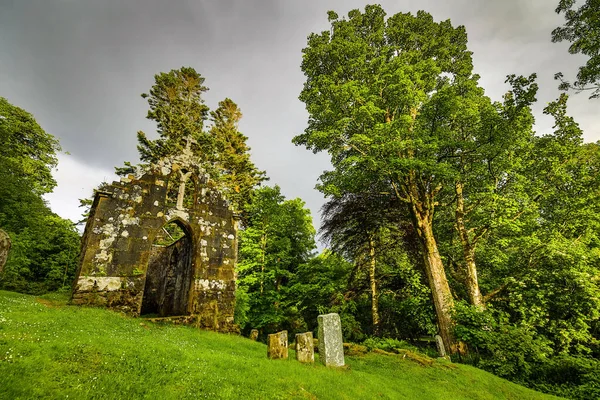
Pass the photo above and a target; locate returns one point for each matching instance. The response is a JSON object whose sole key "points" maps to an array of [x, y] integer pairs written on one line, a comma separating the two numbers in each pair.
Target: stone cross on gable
{"points": [[183, 174], [188, 143], [183, 177]]}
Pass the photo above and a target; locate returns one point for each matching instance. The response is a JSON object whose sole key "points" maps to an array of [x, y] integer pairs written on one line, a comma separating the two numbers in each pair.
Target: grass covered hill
{"points": [[49, 350]]}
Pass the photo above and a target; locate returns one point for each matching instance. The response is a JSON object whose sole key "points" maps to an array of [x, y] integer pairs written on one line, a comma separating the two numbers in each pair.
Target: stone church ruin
{"points": [[161, 243]]}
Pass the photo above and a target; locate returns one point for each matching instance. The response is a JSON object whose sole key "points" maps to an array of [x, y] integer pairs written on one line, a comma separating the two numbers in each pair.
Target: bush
{"points": [[523, 355]]}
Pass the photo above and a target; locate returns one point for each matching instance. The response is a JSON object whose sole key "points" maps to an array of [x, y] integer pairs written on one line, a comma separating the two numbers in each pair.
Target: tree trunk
{"points": [[422, 206], [5, 244], [468, 247], [263, 247], [420, 196], [374, 296], [442, 297]]}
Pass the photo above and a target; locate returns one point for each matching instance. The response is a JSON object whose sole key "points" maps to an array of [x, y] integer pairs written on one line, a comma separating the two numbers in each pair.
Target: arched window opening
{"points": [[170, 272], [169, 234]]}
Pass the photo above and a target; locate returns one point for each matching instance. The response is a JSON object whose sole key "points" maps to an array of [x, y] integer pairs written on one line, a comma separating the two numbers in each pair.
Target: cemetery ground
{"points": [[49, 349]]}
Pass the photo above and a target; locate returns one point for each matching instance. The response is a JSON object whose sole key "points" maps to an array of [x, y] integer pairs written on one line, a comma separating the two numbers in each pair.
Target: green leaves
{"points": [[277, 239], [28, 154], [378, 91], [177, 107], [237, 174], [44, 249], [582, 30]]}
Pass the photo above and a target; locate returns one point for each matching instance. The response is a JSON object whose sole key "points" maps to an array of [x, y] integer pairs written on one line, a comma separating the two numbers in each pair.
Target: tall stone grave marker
{"points": [[305, 348], [331, 345], [4, 248], [440, 346], [277, 345]]}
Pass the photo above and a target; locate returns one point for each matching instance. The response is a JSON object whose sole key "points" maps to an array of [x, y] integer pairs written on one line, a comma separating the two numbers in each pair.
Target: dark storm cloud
{"points": [[80, 66]]}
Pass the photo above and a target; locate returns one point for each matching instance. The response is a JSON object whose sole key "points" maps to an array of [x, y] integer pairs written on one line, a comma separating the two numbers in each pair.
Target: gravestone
{"points": [[254, 334], [4, 248], [331, 345], [439, 343], [277, 345], [305, 351]]}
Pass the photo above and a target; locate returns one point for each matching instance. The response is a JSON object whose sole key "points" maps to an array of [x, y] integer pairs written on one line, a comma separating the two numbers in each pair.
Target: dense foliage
{"points": [[176, 105], [446, 213], [45, 247], [276, 241], [582, 30], [512, 252]]}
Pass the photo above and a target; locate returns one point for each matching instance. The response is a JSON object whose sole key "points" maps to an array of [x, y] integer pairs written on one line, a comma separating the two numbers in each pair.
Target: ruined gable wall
{"points": [[118, 241], [116, 244], [213, 300]]}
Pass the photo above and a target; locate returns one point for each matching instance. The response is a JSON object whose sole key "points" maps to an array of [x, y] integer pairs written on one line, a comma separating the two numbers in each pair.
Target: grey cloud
{"points": [[80, 67]]}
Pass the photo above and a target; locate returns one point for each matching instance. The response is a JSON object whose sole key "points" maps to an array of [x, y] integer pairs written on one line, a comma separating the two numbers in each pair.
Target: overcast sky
{"points": [[80, 66]]}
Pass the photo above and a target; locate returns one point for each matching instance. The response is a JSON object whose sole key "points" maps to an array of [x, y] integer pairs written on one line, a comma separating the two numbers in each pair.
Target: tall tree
{"points": [[359, 226], [238, 175], [278, 238], [177, 107], [28, 153], [582, 30], [44, 246], [540, 271], [382, 97], [493, 142]]}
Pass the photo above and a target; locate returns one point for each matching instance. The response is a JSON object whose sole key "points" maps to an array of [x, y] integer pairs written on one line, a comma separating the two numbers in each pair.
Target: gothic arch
{"points": [[170, 273]]}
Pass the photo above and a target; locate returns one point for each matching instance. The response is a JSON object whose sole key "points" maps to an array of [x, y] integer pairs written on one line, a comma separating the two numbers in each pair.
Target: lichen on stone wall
{"points": [[125, 220]]}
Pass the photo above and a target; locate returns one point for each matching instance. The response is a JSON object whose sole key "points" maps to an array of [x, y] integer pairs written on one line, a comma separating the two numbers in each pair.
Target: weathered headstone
{"points": [[254, 334], [305, 351], [277, 345], [331, 345], [439, 343], [4, 248]]}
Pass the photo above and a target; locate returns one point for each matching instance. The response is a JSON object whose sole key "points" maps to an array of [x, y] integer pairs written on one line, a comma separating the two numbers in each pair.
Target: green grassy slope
{"points": [[50, 350]]}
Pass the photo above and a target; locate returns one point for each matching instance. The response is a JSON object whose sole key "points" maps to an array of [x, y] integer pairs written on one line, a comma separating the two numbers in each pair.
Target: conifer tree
{"points": [[177, 107], [237, 173]]}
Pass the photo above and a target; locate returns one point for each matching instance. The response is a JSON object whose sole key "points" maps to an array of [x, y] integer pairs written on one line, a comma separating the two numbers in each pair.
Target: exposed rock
{"points": [[305, 352], [277, 345], [5, 244], [331, 346], [254, 334]]}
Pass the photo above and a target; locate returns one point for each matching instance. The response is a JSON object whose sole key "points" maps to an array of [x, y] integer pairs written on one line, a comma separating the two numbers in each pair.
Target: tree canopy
{"points": [[582, 30], [395, 100], [277, 240], [505, 221], [176, 105], [44, 246]]}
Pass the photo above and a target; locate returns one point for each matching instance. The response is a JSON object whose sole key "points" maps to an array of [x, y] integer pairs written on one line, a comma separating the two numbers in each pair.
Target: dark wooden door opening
{"points": [[170, 272]]}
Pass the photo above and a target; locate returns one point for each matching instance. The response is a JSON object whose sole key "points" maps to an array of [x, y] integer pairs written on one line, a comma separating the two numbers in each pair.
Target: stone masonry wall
{"points": [[117, 245]]}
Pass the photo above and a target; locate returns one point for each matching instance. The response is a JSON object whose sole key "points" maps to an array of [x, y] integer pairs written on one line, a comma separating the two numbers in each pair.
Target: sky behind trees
{"points": [[80, 68]]}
